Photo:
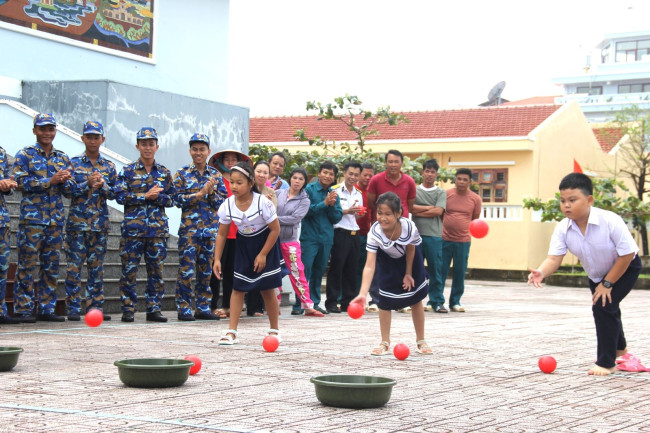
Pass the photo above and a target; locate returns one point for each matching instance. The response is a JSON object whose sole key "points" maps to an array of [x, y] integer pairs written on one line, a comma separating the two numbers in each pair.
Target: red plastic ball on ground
{"points": [[478, 228], [547, 364], [355, 310], [94, 318], [197, 364], [270, 343], [401, 351]]}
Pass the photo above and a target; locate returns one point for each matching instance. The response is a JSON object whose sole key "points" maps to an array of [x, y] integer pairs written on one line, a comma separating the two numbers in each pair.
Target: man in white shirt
{"points": [[341, 277], [608, 253]]}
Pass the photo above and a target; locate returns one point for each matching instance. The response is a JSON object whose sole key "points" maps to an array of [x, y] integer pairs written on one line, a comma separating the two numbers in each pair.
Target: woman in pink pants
{"points": [[293, 204]]}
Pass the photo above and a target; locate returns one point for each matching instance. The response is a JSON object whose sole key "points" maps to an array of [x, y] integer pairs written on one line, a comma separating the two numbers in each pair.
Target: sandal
{"points": [[406, 310], [382, 349], [373, 308], [228, 338], [423, 348], [220, 313], [275, 333], [313, 313]]}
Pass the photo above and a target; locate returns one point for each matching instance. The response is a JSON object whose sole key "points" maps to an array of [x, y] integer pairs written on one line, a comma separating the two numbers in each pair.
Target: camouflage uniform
{"points": [[4, 234], [41, 226], [87, 231], [196, 236], [144, 230]]}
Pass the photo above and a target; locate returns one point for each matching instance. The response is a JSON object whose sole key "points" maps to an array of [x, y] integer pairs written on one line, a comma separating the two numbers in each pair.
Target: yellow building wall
{"points": [[541, 160]]}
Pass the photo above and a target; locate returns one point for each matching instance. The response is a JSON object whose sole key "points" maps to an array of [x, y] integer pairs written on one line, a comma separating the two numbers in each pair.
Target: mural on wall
{"points": [[124, 25], [124, 109]]}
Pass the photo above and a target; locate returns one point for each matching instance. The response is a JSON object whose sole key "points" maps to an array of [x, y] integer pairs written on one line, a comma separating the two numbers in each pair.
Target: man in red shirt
{"points": [[367, 172], [393, 180], [463, 206]]}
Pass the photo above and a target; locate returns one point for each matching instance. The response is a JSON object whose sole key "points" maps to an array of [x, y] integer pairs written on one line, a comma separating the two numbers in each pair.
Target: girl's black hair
{"points": [[391, 200], [260, 162], [302, 171], [248, 172]]}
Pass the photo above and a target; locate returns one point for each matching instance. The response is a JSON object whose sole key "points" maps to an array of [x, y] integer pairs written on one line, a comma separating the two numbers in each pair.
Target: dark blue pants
{"points": [[609, 327]]}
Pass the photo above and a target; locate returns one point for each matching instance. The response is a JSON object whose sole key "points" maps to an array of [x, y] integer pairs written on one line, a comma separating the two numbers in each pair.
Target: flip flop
{"points": [[633, 366], [626, 358]]}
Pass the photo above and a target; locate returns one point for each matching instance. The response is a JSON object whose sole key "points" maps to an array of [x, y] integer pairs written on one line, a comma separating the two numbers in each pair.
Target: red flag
{"points": [[576, 167]]}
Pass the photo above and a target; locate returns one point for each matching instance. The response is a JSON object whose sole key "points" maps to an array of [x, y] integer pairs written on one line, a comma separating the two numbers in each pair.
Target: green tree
{"points": [[633, 156]]}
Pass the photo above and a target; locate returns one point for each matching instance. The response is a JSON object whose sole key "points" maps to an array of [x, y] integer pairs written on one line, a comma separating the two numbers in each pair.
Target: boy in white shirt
{"points": [[608, 253]]}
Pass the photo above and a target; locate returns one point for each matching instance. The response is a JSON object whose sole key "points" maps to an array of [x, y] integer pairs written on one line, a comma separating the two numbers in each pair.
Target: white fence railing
{"points": [[502, 212]]}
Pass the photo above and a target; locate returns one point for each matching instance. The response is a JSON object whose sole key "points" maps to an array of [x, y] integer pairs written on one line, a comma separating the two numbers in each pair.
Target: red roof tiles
{"points": [[608, 137], [502, 121]]}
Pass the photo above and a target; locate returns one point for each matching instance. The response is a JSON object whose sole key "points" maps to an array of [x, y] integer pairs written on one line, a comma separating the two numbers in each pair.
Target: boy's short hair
{"points": [[353, 164], [329, 165], [200, 138], [42, 119], [577, 181], [430, 164], [93, 127], [146, 132], [466, 171], [394, 152]]}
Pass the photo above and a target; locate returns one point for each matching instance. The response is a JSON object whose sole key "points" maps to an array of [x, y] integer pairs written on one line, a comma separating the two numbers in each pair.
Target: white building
{"points": [[616, 75]]}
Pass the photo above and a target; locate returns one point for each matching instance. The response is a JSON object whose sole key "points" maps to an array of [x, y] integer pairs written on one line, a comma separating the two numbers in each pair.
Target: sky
{"points": [[412, 55]]}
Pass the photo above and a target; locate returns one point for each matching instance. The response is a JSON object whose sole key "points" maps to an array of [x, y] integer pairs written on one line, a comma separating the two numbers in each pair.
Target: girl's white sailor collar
{"points": [[253, 211], [405, 238]]}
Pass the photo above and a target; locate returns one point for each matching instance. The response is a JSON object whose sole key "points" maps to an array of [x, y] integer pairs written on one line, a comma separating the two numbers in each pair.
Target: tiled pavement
{"points": [[483, 376]]}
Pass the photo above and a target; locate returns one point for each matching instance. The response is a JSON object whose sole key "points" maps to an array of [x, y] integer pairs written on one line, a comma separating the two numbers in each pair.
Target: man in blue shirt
{"points": [[317, 232], [145, 188], [43, 174], [199, 193], [87, 227]]}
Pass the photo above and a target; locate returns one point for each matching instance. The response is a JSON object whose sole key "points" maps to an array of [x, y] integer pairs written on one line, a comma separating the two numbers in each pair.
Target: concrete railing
{"points": [[502, 212]]}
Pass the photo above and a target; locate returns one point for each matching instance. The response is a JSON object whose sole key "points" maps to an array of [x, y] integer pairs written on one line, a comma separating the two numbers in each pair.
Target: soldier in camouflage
{"points": [[88, 224], [145, 188], [44, 176], [199, 193], [7, 185]]}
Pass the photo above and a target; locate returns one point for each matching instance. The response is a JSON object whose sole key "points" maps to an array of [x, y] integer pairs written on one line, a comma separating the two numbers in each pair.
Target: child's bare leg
{"points": [[236, 305], [384, 324], [597, 370], [417, 315], [272, 307], [620, 353]]}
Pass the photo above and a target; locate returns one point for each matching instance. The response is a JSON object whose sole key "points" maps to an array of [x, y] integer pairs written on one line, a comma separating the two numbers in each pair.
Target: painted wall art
{"points": [[124, 25]]}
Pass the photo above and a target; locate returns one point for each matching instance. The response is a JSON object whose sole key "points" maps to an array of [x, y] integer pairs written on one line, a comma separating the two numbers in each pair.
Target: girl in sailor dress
{"points": [[258, 257], [394, 271]]}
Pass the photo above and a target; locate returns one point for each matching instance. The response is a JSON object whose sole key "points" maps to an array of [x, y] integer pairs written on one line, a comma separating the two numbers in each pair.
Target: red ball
{"points": [[197, 364], [547, 364], [401, 351], [355, 310], [478, 228], [270, 343], [94, 318]]}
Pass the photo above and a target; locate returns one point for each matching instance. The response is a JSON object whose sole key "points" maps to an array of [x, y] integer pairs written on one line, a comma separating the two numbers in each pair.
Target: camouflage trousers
{"points": [[4, 267], [37, 243], [88, 247], [195, 256], [131, 251]]}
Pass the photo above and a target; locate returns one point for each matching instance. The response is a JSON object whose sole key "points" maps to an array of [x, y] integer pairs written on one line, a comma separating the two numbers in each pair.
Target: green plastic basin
{"points": [[352, 391], [9, 357], [153, 372]]}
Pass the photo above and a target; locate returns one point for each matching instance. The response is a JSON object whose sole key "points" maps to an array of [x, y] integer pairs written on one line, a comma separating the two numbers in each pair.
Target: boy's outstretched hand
{"points": [[536, 277], [602, 293]]}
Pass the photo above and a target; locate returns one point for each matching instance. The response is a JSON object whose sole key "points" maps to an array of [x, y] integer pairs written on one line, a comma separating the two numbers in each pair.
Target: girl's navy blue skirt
{"points": [[247, 248], [386, 287]]}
